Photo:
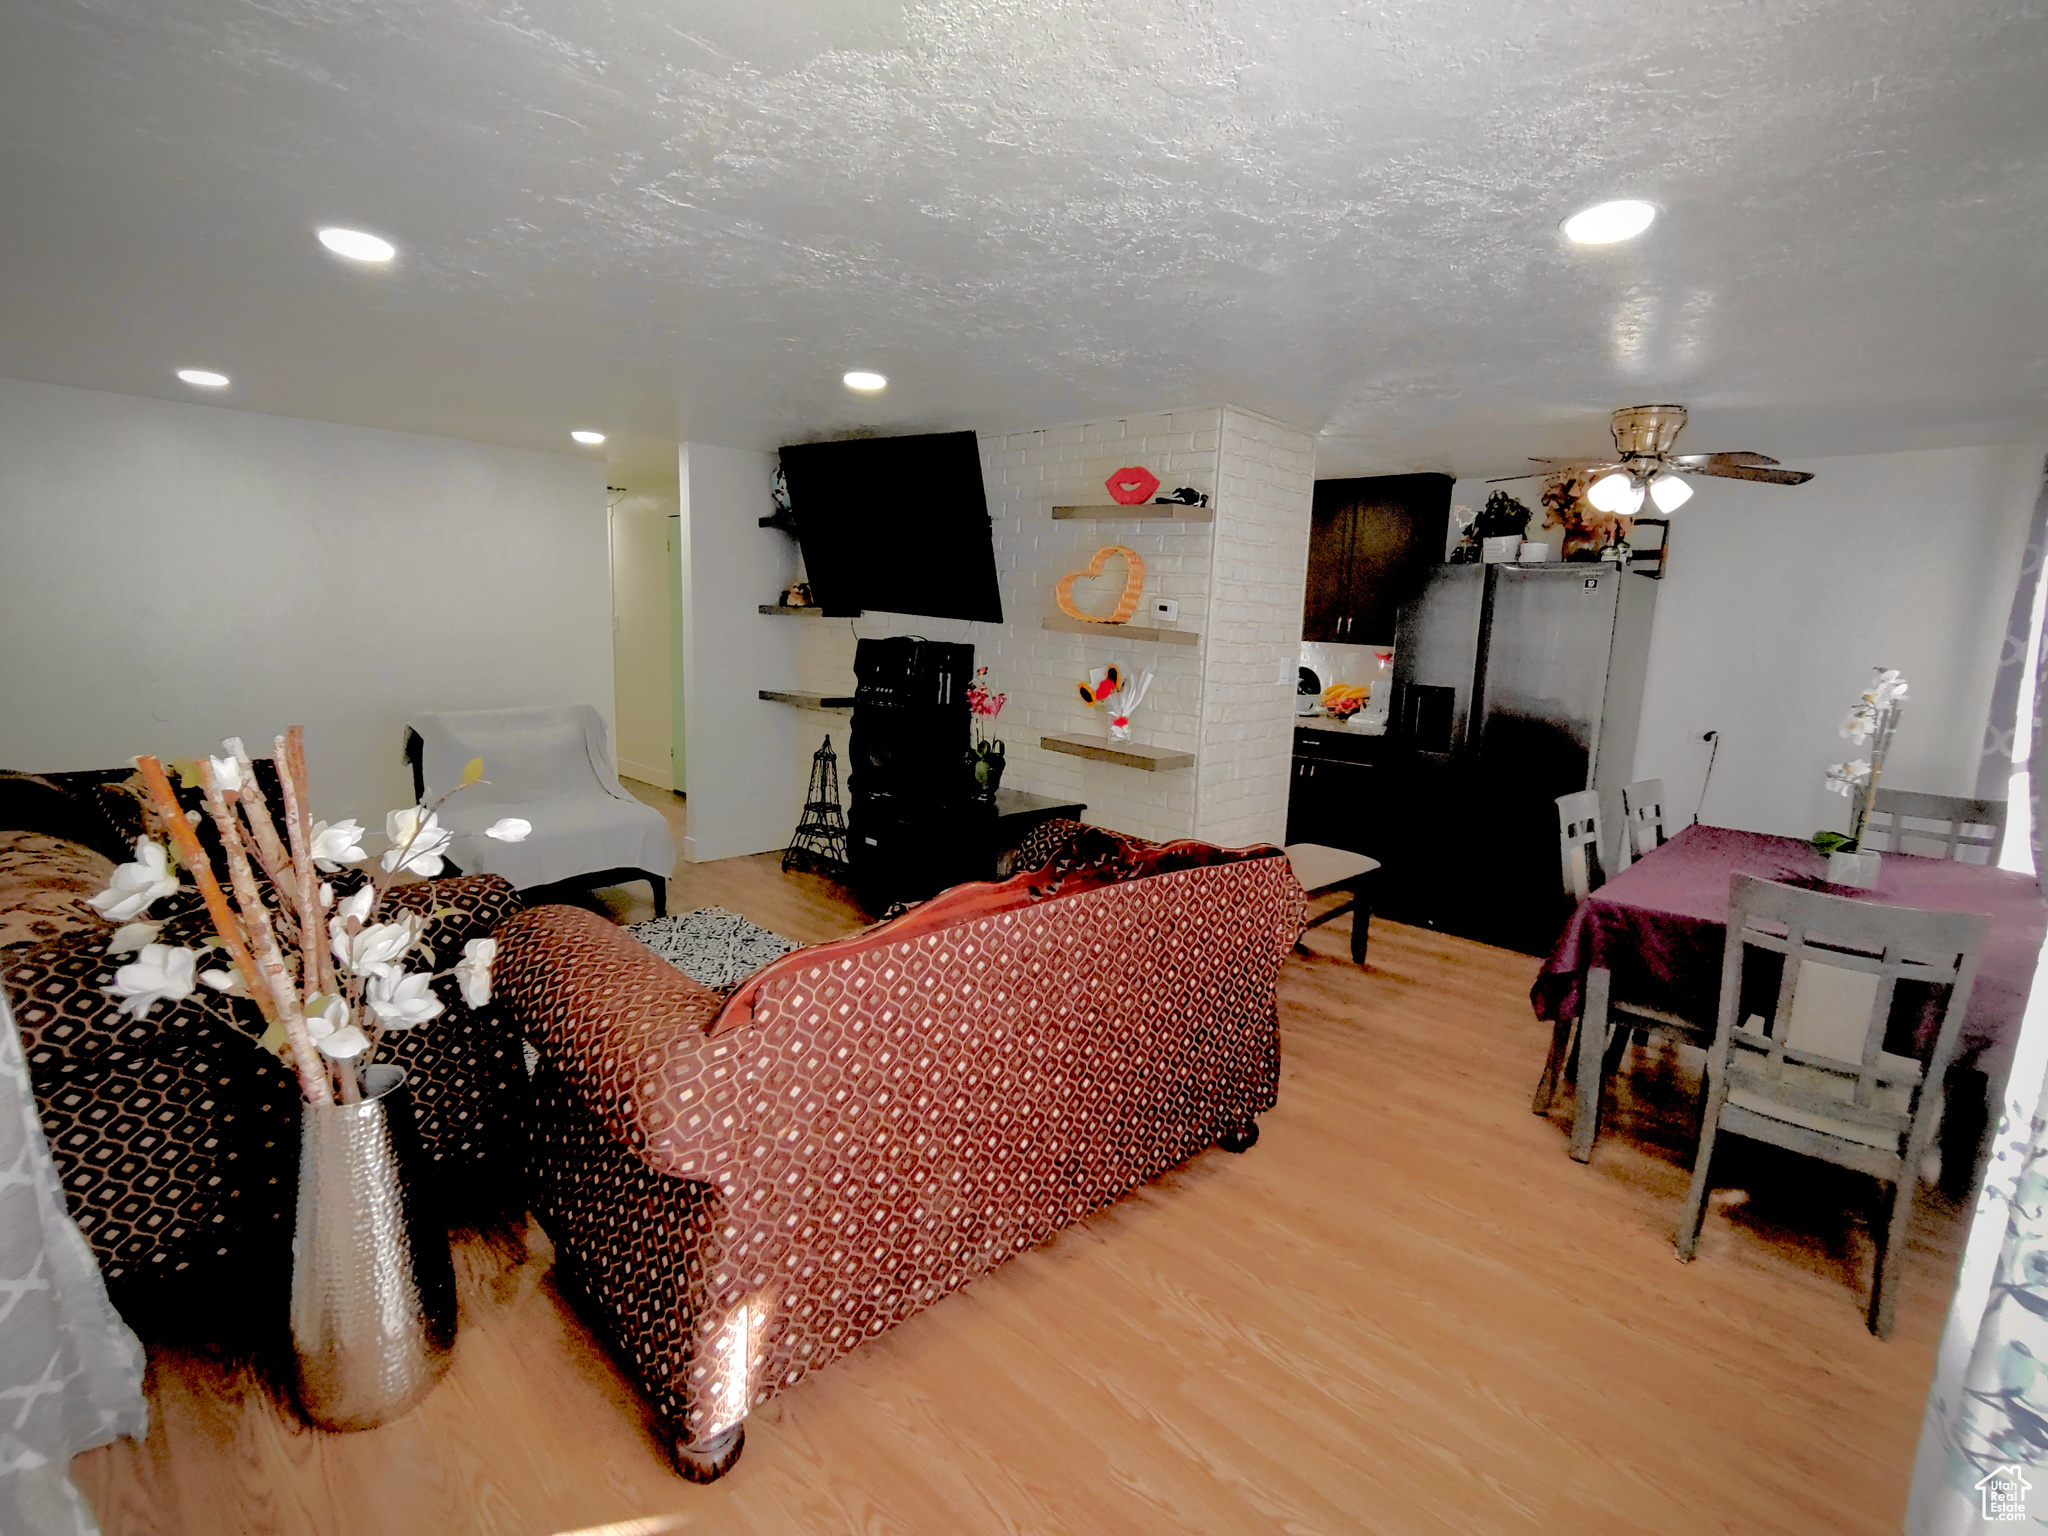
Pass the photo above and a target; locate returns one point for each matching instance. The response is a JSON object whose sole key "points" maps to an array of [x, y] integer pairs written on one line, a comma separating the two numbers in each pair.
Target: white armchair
{"points": [[553, 767]]}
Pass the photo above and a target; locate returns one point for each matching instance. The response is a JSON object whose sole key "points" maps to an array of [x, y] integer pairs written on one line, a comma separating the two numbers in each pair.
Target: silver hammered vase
{"points": [[373, 1287]]}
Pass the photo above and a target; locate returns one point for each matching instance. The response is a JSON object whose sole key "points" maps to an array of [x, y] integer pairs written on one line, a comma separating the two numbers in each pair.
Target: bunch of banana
{"points": [[1345, 698]]}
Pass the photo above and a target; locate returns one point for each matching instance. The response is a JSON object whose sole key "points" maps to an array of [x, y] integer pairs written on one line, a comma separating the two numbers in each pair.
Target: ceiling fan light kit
{"points": [[1669, 492], [1644, 462], [1617, 492]]}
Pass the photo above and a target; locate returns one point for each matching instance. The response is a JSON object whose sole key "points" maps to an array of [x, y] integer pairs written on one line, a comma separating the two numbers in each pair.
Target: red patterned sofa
{"points": [[742, 1189]]}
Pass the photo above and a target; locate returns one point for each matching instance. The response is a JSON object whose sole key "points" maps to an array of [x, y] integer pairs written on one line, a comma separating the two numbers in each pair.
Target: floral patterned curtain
{"points": [[70, 1371], [1985, 1435], [1995, 765]]}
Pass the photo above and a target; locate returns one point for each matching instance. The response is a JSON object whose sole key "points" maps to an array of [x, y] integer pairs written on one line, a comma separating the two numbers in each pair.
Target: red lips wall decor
{"points": [[1132, 486]]}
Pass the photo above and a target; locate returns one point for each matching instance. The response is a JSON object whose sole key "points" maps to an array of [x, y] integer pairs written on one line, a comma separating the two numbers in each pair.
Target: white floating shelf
{"points": [[1128, 754], [1069, 626], [1110, 511], [835, 703]]}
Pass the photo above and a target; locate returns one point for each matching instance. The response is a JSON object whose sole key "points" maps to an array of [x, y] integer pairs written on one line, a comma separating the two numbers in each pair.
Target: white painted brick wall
{"points": [[1266, 482], [1239, 585]]}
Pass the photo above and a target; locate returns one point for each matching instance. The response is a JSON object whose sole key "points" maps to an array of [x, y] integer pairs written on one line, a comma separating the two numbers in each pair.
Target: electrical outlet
{"points": [[1165, 610]]}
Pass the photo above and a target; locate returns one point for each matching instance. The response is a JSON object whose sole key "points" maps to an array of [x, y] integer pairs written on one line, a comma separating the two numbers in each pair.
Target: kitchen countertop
{"points": [[1321, 722]]}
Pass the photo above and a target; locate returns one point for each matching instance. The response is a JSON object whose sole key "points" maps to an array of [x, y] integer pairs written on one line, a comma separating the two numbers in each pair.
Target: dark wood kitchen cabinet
{"points": [[1368, 544], [1337, 797]]}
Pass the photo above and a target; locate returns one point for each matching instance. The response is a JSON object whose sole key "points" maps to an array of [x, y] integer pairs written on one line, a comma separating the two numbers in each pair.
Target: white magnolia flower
{"points": [[328, 1023], [130, 937], [326, 894], [227, 773], [224, 981], [356, 908], [379, 947], [159, 973], [509, 829], [401, 999], [473, 972], [337, 843], [137, 887], [417, 841]]}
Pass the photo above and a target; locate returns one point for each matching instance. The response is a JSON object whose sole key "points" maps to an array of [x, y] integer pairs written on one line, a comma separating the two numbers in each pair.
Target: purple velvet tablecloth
{"points": [[1660, 925]]}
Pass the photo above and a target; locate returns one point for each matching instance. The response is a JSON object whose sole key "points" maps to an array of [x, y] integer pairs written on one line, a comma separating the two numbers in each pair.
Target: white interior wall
{"points": [[1780, 600], [642, 540], [746, 760], [175, 573]]}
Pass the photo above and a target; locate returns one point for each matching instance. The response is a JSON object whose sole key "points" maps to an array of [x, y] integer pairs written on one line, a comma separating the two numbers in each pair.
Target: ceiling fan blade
{"points": [[1697, 461], [1558, 467], [1751, 472]]}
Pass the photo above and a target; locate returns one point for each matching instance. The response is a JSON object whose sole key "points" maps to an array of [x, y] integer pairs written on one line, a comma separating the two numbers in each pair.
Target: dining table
{"points": [[1654, 935]]}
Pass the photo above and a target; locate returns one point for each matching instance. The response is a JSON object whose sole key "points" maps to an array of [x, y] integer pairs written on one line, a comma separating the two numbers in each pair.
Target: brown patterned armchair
{"points": [[743, 1189], [175, 1136]]}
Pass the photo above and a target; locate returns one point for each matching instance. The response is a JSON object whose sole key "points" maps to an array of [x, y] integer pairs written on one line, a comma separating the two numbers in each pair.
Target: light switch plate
{"points": [[1165, 610]]}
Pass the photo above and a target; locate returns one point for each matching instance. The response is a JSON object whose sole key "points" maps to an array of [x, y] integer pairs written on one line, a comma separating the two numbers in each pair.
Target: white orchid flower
{"points": [[227, 773], [137, 886], [130, 937], [379, 947], [159, 974], [402, 999], [337, 843], [1858, 725], [509, 829], [417, 841], [473, 972]]}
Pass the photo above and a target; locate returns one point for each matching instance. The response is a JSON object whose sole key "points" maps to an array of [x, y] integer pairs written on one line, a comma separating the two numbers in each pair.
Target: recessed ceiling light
{"points": [[205, 378], [588, 439], [862, 380], [356, 245], [1605, 223]]}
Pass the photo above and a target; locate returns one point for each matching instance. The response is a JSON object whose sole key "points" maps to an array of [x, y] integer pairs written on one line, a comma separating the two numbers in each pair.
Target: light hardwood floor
{"points": [[1405, 1310]]}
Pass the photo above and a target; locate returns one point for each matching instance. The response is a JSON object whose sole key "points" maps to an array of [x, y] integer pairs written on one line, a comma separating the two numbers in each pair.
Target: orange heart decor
{"points": [[1127, 605]]}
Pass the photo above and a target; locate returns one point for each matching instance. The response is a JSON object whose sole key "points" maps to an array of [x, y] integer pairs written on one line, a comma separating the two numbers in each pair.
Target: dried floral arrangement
{"points": [[1585, 526], [328, 976]]}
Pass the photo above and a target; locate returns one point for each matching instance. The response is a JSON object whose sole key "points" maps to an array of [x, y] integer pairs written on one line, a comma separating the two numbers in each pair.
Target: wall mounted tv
{"points": [[895, 524]]}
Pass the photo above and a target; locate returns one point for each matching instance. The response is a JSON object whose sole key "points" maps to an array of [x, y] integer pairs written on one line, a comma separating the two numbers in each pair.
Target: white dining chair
{"points": [[1642, 809], [1936, 826], [1578, 843], [1813, 1075]]}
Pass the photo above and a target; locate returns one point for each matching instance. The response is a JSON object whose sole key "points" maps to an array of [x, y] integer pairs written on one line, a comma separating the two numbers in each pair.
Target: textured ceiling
{"points": [[687, 219]]}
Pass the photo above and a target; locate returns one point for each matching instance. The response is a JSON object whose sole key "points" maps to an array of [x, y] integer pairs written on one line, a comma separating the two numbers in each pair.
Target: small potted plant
{"points": [[987, 756], [1873, 720]]}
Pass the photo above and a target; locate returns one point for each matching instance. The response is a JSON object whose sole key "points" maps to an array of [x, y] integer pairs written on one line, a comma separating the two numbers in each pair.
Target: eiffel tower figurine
{"points": [[820, 841]]}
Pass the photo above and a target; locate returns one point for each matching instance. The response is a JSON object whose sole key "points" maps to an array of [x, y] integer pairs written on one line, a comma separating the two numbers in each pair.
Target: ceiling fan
{"points": [[1644, 463]]}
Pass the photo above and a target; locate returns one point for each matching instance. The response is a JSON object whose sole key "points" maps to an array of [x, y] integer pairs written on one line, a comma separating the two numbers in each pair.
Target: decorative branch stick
{"points": [[192, 855], [318, 962], [270, 961], [276, 863]]}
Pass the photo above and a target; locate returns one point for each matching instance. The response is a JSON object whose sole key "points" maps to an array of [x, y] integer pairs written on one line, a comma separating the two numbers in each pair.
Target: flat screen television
{"points": [[895, 524]]}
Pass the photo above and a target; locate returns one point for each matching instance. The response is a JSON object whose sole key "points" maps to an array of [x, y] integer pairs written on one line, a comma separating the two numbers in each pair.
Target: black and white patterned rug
{"points": [[711, 946]]}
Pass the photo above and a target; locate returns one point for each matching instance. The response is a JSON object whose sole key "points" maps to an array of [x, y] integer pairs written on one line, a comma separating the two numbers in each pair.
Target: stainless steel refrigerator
{"points": [[1513, 684]]}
